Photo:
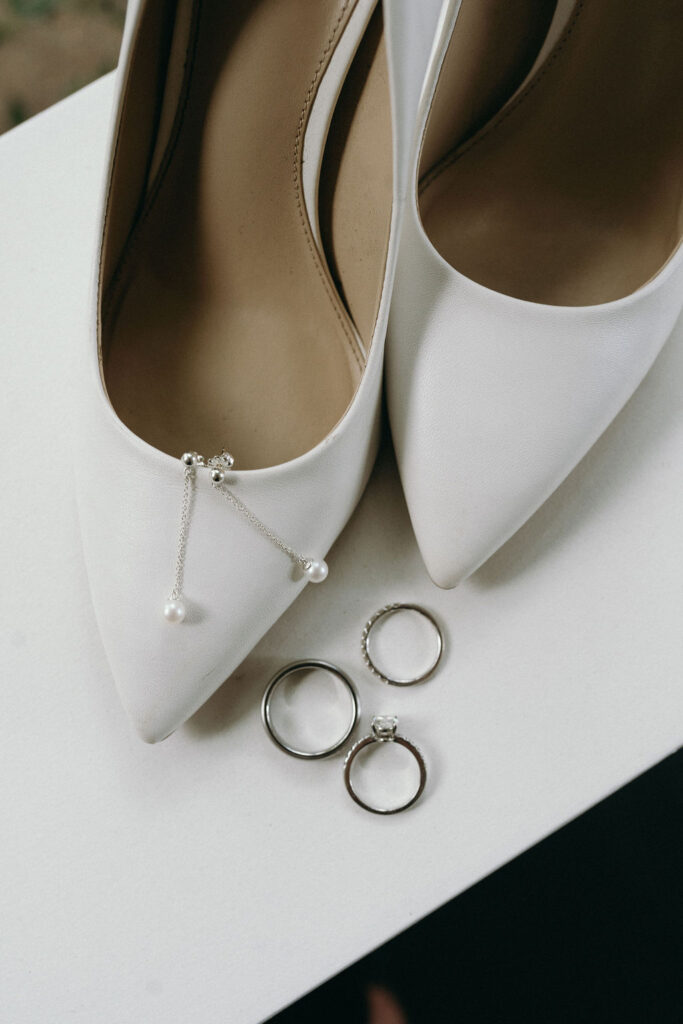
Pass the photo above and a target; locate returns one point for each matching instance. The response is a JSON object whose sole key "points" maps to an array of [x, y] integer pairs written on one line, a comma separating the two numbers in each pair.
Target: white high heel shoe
{"points": [[540, 269], [247, 258]]}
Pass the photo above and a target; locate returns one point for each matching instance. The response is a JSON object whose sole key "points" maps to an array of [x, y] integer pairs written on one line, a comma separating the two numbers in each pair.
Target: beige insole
{"points": [[572, 194], [490, 52], [225, 327]]}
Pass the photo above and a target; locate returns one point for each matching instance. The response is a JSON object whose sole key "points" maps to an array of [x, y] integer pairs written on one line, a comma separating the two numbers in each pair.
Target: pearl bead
{"points": [[317, 571], [218, 476], [175, 611], [189, 459]]}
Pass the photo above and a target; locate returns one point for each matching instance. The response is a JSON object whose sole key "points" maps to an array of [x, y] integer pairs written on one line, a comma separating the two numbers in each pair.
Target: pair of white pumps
{"points": [[276, 197]]}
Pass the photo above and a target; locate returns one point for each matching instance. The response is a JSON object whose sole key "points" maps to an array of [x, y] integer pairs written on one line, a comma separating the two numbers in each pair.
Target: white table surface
{"points": [[210, 878]]}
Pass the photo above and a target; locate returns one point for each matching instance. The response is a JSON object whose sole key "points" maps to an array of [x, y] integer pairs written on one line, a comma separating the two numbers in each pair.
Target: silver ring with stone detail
{"points": [[366, 641], [266, 703], [384, 731]]}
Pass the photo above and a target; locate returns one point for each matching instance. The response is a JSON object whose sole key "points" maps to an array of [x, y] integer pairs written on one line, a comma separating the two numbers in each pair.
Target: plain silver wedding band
{"points": [[266, 703]]}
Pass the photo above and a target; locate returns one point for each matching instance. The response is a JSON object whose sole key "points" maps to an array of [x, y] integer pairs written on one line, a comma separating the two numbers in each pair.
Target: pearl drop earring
{"points": [[175, 609]]}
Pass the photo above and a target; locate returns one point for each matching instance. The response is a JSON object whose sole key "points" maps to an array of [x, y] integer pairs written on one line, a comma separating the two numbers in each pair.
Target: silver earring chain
{"points": [[250, 516], [218, 465], [185, 511]]}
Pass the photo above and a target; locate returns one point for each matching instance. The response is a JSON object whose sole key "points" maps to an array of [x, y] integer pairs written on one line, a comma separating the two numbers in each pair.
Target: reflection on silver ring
{"points": [[288, 670], [390, 609], [384, 731]]}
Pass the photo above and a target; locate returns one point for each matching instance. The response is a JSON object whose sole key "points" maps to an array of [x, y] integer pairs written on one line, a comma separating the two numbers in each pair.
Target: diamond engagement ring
{"points": [[384, 731]]}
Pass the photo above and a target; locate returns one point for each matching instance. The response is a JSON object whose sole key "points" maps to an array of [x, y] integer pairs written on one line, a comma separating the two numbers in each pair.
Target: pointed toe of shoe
{"points": [[445, 572], [445, 567], [165, 671], [237, 582], [152, 723], [494, 400], [236, 586], [460, 520]]}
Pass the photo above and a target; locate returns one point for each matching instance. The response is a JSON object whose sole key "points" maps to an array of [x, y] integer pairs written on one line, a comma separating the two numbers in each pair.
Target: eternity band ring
{"points": [[371, 659]]}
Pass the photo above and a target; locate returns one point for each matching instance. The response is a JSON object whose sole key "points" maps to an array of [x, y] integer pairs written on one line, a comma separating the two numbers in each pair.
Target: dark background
{"points": [[585, 927]]}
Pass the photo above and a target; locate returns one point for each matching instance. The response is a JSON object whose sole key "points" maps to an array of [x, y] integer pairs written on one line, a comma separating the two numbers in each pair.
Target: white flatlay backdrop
{"points": [[211, 877]]}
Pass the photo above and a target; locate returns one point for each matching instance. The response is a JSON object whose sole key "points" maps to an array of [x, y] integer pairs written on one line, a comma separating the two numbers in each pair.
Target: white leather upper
{"points": [[236, 582], [493, 400]]}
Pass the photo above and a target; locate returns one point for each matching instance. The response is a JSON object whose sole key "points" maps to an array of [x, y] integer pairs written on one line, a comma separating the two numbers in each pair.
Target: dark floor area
{"points": [[585, 928]]}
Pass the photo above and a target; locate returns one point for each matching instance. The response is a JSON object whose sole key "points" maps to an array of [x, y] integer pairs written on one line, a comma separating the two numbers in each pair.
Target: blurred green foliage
{"points": [[33, 8], [50, 48]]}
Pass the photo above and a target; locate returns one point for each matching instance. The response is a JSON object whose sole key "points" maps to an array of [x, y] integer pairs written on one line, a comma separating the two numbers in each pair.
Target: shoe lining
{"points": [[222, 326], [571, 195]]}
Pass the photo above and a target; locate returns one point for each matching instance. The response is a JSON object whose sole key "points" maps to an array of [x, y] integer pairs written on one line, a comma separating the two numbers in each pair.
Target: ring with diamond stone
{"points": [[266, 707], [392, 609], [384, 731]]}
